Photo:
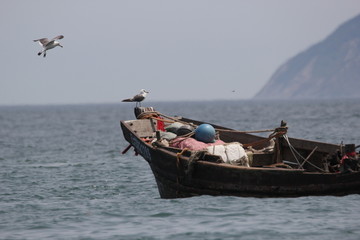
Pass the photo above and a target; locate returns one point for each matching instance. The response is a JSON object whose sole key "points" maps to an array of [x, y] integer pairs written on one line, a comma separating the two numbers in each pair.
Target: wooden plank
{"points": [[142, 127]]}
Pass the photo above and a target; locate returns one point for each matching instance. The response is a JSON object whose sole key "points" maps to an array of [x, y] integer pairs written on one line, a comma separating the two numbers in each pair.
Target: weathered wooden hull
{"points": [[176, 176]]}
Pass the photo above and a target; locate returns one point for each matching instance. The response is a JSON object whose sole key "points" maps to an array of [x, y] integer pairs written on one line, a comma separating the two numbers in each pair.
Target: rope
{"points": [[308, 157], [274, 135], [161, 119], [178, 155], [183, 137], [148, 114], [251, 131], [293, 151], [218, 129], [195, 156], [176, 120], [155, 115]]}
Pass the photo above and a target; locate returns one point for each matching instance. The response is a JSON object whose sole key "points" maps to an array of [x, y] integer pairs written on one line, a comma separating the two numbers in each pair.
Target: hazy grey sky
{"points": [[177, 50]]}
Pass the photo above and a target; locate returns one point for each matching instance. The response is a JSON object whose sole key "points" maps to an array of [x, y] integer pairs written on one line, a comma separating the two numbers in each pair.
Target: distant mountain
{"points": [[329, 69]]}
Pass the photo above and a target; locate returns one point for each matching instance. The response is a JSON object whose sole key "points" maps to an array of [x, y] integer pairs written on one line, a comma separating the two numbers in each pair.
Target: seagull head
{"points": [[143, 91], [56, 43]]}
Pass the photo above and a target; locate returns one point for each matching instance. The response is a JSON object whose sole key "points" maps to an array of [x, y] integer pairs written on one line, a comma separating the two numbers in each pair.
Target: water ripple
{"points": [[63, 177]]}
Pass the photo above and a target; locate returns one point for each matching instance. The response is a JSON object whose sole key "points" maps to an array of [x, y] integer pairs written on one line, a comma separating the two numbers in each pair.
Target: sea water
{"points": [[62, 176]]}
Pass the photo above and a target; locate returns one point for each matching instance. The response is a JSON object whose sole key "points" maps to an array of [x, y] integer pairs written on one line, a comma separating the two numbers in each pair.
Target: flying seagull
{"points": [[46, 44], [137, 98]]}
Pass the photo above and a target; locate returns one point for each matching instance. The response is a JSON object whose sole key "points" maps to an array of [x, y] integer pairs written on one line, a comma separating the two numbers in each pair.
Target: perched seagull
{"points": [[137, 98], [46, 44]]}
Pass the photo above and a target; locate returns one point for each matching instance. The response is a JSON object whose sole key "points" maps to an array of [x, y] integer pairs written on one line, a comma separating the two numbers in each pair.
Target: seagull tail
{"points": [[127, 100]]}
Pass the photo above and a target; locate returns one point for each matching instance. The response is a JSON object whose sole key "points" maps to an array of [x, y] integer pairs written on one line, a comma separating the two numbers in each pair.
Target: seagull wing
{"points": [[42, 41], [138, 98], [58, 37], [51, 42]]}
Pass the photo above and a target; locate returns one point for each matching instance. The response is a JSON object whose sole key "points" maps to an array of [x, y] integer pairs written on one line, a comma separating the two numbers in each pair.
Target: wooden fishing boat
{"points": [[278, 166]]}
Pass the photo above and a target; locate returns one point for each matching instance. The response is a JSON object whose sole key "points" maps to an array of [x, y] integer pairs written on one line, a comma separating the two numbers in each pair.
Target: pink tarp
{"points": [[192, 143]]}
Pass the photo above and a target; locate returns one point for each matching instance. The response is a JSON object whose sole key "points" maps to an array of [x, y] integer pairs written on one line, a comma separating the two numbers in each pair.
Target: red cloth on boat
{"points": [[347, 156], [160, 125], [192, 143]]}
